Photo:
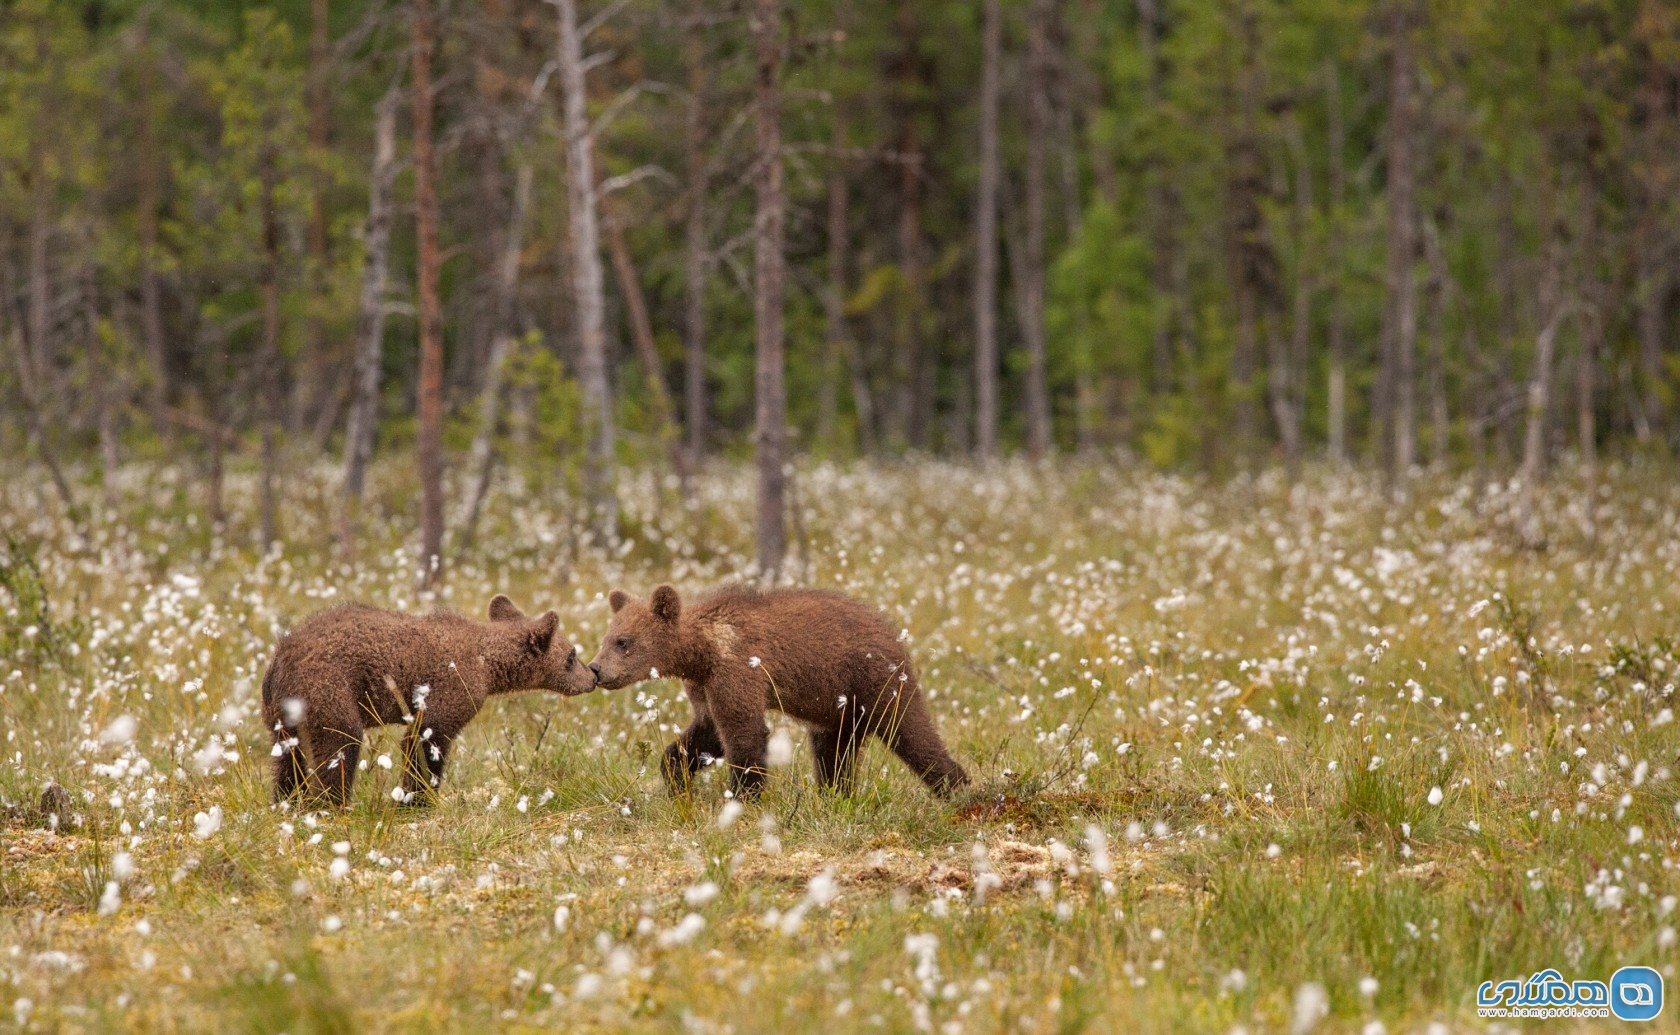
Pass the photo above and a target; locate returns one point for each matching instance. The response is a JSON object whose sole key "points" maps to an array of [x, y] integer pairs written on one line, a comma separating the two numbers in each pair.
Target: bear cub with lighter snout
{"points": [[832, 662], [353, 667]]}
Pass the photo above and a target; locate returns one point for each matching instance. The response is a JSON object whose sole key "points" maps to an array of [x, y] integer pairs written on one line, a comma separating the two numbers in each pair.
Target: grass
{"points": [[1208, 722]]}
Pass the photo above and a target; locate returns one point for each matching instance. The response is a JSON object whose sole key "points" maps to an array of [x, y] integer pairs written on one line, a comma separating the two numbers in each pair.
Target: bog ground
{"points": [[1252, 753]]}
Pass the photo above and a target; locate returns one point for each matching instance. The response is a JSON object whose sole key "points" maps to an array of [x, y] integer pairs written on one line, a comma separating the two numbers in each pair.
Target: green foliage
{"points": [[546, 440], [28, 630]]}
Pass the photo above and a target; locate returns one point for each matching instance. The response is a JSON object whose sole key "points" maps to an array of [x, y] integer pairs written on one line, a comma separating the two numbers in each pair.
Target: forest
{"points": [[562, 238], [1135, 515]]}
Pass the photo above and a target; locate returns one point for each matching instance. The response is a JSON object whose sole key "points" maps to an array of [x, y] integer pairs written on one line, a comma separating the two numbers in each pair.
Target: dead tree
{"points": [[588, 280], [768, 282], [370, 320], [430, 404]]}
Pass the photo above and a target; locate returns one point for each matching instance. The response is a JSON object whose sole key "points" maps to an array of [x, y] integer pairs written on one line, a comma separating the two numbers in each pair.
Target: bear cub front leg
{"points": [[684, 756]]}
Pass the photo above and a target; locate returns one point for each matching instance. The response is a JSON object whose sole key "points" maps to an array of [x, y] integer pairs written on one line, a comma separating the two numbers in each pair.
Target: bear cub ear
{"points": [[541, 632], [504, 610], [617, 599], [666, 605]]}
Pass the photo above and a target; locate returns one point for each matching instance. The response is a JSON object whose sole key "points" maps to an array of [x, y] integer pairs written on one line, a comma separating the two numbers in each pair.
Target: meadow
{"points": [[1251, 753]]}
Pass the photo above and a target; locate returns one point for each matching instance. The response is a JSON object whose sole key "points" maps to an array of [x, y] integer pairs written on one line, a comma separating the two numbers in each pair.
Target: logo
{"points": [[1636, 994], [1632, 994]]}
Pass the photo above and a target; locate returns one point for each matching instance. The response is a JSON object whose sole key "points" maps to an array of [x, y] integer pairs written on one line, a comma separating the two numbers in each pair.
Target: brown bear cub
{"points": [[831, 662], [353, 667]]}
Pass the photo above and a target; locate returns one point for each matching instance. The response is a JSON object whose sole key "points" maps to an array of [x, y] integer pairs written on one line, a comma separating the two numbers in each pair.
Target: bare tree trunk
{"points": [[34, 423], [1400, 311], [913, 360], [835, 345], [588, 280], [483, 461], [430, 403], [1163, 211], [1289, 355], [37, 355], [647, 349], [986, 238], [1337, 387], [269, 376], [768, 232], [370, 320], [1591, 331], [147, 202], [695, 260], [103, 378], [1652, 294], [321, 393], [1032, 292], [1249, 251], [1540, 379], [1440, 289], [1087, 404]]}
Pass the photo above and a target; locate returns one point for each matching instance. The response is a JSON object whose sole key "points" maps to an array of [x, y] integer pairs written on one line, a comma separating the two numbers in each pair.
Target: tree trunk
{"points": [[103, 378], [768, 233], [1336, 389], [1249, 251], [269, 377], [1440, 305], [483, 461], [321, 394], [147, 202], [1653, 298], [1289, 355], [370, 320], [986, 238], [588, 281], [1086, 402], [430, 403], [1162, 209], [1400, 310], [647, 348], [35, 424], [1591, 331], [1032, 292], [695, 260], [834, 298], [1540, 379]]}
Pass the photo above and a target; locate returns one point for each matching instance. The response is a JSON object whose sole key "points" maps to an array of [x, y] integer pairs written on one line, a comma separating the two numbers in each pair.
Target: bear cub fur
{"points": [[353, 667], [825, 659]]}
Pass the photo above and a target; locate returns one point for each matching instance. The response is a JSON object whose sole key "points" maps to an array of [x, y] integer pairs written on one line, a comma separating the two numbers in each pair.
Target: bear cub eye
{"points": [[623, 644]]}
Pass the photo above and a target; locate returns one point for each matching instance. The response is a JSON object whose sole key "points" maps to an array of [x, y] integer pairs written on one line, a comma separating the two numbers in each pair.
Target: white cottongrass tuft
{"points": [[562, 917], [779, 752], [1435, 795], [1312, 1003], [111, 900], [730, 812], [700, 894], [1096, 842], [205, 824], [120, 731], [684, 932]]}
